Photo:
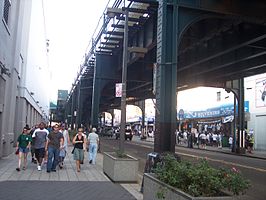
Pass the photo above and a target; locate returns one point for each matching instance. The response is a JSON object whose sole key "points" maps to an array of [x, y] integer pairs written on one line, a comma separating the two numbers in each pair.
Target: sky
{"points": [[69, 27]]}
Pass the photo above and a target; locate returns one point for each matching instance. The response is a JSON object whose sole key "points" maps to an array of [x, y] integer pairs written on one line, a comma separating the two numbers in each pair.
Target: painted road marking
{"points": [[215, 160]]}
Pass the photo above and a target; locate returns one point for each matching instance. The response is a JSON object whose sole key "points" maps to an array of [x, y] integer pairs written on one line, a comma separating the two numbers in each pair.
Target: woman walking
{"points": [[23, 146], [79, 142]]}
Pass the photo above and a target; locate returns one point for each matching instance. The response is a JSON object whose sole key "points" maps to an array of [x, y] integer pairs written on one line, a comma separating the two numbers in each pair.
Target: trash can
{"points": [[152, 159], [8, 141], [225, 141]]}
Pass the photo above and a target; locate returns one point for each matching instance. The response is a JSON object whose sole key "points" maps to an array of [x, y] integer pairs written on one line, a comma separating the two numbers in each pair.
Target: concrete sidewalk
{"points": [[66, 183]]}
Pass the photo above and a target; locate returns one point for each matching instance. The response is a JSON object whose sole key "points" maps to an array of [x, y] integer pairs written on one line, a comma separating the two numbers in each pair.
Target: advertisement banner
{"points": [[118, 90], [260, 92]]}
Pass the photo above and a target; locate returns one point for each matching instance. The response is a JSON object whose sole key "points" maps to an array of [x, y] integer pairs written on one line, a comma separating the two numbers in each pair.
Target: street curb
{"points": [[224, 152], [230, 153]]}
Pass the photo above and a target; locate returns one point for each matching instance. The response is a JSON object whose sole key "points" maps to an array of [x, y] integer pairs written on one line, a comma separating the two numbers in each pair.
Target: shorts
{"points": [[39, 153], [203, 141], [62, 153], [78, 154], [24, 149]]}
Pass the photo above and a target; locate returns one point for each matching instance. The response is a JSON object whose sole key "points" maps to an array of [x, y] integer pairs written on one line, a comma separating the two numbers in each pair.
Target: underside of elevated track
{"points": [[172, 45]]}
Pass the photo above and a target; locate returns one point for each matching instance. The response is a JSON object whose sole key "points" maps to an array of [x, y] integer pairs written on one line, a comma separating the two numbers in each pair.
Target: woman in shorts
{"points": [[23, 147]]}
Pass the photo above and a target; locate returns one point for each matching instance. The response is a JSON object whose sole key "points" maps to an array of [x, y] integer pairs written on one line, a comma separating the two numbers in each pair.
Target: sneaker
{"points": [[39, 168], [18, 169], [53, 170], [90, 161]]}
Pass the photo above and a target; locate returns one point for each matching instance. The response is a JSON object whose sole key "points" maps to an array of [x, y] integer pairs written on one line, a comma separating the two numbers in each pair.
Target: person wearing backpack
{"points": [[23, 147]]}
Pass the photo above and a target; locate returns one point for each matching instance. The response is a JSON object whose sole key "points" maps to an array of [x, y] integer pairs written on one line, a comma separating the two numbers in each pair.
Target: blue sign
{"points": [[222, 111]]}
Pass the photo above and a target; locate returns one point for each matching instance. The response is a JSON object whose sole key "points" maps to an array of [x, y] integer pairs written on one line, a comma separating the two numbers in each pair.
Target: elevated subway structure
{"points": [[186, 43]]}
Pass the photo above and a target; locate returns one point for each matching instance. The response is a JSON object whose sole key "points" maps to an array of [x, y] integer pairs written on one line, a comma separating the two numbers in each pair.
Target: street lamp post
{"points": [[124, 85]]}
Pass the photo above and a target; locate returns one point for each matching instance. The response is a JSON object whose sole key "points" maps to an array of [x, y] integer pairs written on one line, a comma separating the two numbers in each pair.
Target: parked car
{"points": [[107, 131], [150, 133], [128, 134]]}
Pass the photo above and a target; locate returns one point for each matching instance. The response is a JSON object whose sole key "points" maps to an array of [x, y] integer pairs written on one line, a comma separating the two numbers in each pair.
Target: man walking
{"points": [[55, 144], [93, 141], [40, 140], [62, 153]]}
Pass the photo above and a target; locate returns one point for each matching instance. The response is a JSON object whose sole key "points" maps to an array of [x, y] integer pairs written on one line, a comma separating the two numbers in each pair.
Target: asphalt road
{"points": [[252, 168]]}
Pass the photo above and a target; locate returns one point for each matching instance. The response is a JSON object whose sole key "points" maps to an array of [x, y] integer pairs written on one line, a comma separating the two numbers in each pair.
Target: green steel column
{"points": [[241, 115], [95, 95], [78, 105], [113, 116], [142, 107], [166, 76], [72, 111]]}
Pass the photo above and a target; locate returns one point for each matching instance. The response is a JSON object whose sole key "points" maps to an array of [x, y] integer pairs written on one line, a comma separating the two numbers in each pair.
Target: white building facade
{"points": [[24, 97], [255, 93]]}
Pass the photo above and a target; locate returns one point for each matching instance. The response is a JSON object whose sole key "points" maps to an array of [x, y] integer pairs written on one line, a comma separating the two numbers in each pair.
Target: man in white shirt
{"points": [[40, 135], [93, 141], [63, 151]]}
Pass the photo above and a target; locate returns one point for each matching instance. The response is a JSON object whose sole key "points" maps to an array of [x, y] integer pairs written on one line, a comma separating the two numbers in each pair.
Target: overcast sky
{"points": [[70, 25]]}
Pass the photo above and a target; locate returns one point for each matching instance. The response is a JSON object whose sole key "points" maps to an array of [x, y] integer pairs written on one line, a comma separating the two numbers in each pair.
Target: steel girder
{"points": [[224, 40]]}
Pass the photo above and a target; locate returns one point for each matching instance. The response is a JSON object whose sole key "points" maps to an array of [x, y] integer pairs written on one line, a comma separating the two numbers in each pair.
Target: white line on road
{"points": [[215, 160]]}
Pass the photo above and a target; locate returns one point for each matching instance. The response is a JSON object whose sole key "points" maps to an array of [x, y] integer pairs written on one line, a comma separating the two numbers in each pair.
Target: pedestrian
{"points": [[203, 137], [32, 149], [220, 138], [62, 153], [79, 142], [85, 137], [54, 145], [190, 140], [23, 147], [230, 142], [40, 135], [250, 142], [46, 150], [93, 142]]}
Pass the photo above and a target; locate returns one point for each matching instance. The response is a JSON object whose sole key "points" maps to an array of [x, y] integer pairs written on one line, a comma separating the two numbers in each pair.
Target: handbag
{"points": [[17, 151], [73, 150]]}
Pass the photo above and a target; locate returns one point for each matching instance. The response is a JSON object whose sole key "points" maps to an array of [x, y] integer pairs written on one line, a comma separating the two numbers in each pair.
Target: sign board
{"points": [[181, 114], [118, 90], [154, 78]]}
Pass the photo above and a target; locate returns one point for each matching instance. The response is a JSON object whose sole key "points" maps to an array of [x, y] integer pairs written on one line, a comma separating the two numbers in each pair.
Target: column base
{"points": [[240, 150]]}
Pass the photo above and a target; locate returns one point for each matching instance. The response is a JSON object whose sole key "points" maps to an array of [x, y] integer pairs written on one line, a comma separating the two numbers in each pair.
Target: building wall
{"points": [[21, 52], [253, 93], [9, 47]]}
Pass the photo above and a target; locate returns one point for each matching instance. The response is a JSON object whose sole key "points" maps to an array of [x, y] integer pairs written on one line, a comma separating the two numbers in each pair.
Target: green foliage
{"points": [[160, 194], [121, 154], [200, 179]]}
